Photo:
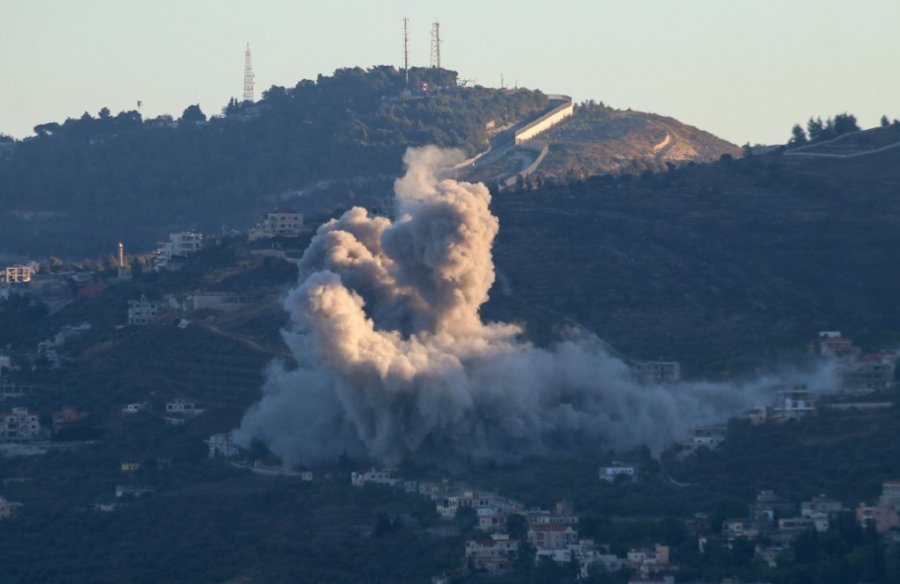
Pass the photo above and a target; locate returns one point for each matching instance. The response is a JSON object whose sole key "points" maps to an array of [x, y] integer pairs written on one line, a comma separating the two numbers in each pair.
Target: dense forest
{"points": [[75, 187]]}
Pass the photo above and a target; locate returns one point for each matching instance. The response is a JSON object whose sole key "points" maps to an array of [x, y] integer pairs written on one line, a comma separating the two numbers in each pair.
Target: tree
{"points": [[193, 113], [816, 128], [844, 124], [798, 136], [885, 122]]}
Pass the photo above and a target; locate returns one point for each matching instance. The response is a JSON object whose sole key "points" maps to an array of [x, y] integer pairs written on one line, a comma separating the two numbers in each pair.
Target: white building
{"points": [[18, 274], [181, 244], [180, 407], [19, 424], [448, 506], [378, 477], [618, 469], [792, 403], [494, 555], [280, 223], [657, 372], [134, 408], [142, 312], [708, 436], [220, 445], [552, 536]]}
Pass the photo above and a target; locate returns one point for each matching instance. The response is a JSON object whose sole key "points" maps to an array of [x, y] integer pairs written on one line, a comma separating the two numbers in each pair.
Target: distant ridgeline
{"points": [[76, 188]]}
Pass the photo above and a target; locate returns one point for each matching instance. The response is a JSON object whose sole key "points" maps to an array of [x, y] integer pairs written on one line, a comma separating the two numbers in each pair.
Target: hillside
{"points": [[76, 188], [599, 139], [721, 266]]}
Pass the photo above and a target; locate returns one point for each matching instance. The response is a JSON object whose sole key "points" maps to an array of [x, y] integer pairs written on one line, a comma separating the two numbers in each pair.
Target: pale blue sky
{"points": [[743, 70]]}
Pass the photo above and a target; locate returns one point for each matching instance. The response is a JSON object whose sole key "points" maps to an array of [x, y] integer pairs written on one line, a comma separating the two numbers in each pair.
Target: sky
{"points": [[745, 71]]}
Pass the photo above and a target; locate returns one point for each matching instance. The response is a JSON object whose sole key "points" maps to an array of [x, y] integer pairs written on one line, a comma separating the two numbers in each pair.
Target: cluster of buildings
{"points": [[885, 514], [859, 373]]}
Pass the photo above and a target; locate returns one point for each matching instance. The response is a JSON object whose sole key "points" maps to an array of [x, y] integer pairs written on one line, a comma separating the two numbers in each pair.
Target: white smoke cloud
{"points": [[395, 361]]}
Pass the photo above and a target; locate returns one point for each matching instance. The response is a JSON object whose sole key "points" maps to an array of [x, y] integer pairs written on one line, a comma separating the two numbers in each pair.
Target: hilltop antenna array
{"points": [[248, 76], [436, 45], [406, 49]]}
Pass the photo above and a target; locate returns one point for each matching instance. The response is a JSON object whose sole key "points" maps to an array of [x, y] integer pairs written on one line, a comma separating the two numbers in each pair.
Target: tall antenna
{"points": [[436, 45], [248, 76], [406, 49]]}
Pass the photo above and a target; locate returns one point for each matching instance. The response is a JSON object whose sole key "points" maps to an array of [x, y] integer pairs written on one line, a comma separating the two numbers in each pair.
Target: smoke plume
{"points": [[395, 361]]}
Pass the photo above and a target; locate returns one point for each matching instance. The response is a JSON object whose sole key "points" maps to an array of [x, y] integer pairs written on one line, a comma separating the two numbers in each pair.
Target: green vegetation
{"points": [[78, 187]]}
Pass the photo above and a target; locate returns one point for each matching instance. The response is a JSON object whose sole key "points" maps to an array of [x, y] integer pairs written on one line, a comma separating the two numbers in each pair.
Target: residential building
{"points": [[832, 345], [649, 560], [130, 467], [792, 403], [181, 407], [496, 554], [8, 508], [181, 245], [134, 408], [618, 469], [881, 518], [708, 436], [279, 223], [19, 424], [377, 477], [875, 372], [552, 536], [658, 372], [221, 446], [821, 505], [142, 312], [448, 506], [890, 494], [740, 528], [21, 274]]}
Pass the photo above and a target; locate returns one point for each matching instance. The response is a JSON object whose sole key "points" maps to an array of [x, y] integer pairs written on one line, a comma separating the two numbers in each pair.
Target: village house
{"points": [[142, 312], [552, 536], [735, 528], [130, 467], [657, 372], [221, 446], [377, 477], [792, 403], [20, 274], [648, 561], [708, 436], [8, 508], [881, 518], [447, 507], [890, 494], [179, 245], [19, 424], [134, 408], [832, 345], [875, 372], [283, 222], [618, 469], [495, 554], [184, 408]]}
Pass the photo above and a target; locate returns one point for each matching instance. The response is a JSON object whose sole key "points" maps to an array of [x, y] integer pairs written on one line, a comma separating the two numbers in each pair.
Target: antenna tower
{"points": [[248, 76], [436, 45], [406, 50]]}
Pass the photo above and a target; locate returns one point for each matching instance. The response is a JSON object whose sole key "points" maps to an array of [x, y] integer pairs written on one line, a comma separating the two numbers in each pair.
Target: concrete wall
{"points": [[546, 121]]}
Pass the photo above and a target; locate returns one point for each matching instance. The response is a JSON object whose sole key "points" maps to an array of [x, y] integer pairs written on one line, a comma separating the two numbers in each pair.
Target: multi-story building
{"points": [[181, 244], [658, 372], [552, 536], [19, 424], [280, 223], [618, 469], [220, 445], [496, 554], [142, 312], [17, 274], [792, 403]]}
